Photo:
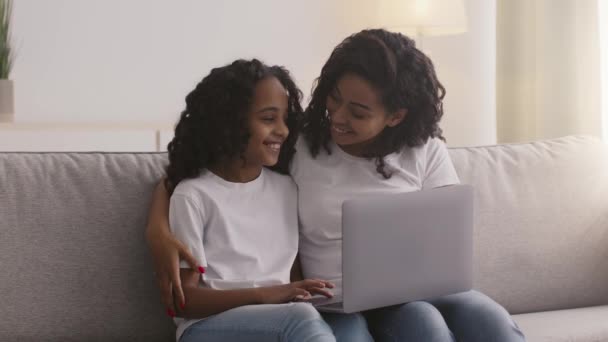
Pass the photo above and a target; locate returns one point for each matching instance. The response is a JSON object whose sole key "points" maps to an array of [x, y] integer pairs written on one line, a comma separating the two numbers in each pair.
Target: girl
{"points": [[238, 218], [372, 126]]}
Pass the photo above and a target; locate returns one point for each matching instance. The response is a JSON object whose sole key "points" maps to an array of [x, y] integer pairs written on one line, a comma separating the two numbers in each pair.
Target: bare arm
{"points": [[158, 217], [166, 250], [204, 302]]}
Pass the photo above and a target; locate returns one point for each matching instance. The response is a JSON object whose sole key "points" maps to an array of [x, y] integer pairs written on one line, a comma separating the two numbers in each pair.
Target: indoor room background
{"points": [[112, 75]]}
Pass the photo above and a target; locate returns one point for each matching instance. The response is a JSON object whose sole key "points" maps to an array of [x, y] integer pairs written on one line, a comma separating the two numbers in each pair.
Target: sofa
{"points": [[75, 265]]}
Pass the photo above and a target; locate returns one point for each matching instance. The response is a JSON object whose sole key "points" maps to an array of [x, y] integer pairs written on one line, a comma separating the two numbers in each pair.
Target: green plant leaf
{"points": [[6, 52]]}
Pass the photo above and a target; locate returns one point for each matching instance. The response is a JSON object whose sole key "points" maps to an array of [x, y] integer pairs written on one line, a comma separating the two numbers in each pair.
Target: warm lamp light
{"points": [[418, 18]]}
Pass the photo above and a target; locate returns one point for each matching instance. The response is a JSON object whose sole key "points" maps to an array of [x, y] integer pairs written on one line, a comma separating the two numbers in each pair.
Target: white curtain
{"points": [[603, 18], [548, 69]]}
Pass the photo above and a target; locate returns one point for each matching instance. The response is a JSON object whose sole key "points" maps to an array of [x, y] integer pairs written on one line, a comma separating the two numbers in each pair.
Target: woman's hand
{"points": [[167, 251], [296, 291]]}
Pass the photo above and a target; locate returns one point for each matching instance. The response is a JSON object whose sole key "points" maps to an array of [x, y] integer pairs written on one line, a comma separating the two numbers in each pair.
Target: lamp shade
{"points": [[422, 17]]}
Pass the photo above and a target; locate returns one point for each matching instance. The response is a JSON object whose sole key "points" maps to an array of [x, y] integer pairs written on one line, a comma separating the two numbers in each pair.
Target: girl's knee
{"points": [[304, 323], [303, 312]]}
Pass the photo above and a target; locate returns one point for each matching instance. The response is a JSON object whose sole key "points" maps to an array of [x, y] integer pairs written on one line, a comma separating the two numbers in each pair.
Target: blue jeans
{"points": [[348, 327], [468, 316], [415, 321], [473, 316], [298, 322]]}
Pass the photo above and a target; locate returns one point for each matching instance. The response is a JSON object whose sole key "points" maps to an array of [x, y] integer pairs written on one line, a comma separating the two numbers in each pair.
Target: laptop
{"points": [[398, 248]]}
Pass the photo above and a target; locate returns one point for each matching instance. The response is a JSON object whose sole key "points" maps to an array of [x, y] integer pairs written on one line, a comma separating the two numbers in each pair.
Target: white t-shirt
{"points": [[326, 181], [244, 234]]}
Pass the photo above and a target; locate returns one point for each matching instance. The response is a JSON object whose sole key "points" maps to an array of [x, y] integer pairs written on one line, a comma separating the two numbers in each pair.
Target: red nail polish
{"points": [[182, 306], [201, 269], [170, 313]]}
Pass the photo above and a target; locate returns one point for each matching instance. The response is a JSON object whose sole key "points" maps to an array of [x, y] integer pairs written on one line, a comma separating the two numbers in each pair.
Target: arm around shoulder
{"points": [[165, 249], [158, 217]]}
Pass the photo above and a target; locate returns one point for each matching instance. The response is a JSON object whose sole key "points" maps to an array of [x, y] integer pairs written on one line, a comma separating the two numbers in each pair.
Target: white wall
{"points": [[118, 61], [466, 65]]}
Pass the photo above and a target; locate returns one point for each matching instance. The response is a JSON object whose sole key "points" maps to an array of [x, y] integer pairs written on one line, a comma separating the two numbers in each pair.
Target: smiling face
{"points": [[357, 114], [267, 118]]}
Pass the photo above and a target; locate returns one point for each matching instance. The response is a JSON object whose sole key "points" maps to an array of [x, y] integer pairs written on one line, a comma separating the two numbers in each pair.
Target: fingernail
{"points": [[201, 269], [299, 297], [182, 306], [170, 313]]}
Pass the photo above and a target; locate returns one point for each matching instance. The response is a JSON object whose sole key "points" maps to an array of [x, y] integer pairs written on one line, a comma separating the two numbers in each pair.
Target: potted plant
{"points": [[7, 112]]}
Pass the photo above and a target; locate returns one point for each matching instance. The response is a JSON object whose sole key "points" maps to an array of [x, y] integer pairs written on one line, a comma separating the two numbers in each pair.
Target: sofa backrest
{"points": [[75, 267], [541, 222], [74, 263]]}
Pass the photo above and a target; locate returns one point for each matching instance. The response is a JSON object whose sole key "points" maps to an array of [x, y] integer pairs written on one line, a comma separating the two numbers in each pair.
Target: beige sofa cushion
{"points": [[74, 263], [580, 325], [75, 266], [541, 227]]}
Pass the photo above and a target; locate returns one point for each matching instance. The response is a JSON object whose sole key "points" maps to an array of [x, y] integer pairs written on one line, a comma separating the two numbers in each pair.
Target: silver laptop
{"points": [[398, 248]]}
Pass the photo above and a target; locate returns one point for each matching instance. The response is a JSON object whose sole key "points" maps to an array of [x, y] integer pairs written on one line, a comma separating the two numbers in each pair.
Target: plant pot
{"points": [[7, 107]]}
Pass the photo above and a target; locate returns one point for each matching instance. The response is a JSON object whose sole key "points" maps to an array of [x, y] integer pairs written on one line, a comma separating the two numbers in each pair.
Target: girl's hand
{"points": [[296, 291], [167, 251]]}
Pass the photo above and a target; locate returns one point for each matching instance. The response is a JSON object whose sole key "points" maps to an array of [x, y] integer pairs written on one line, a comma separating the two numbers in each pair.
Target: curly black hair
{"points": [[402, 74], [214, 124]]}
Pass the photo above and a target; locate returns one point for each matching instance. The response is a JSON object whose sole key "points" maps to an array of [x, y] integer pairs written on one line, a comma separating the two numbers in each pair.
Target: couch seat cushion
{"points": [[580, 325]]}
